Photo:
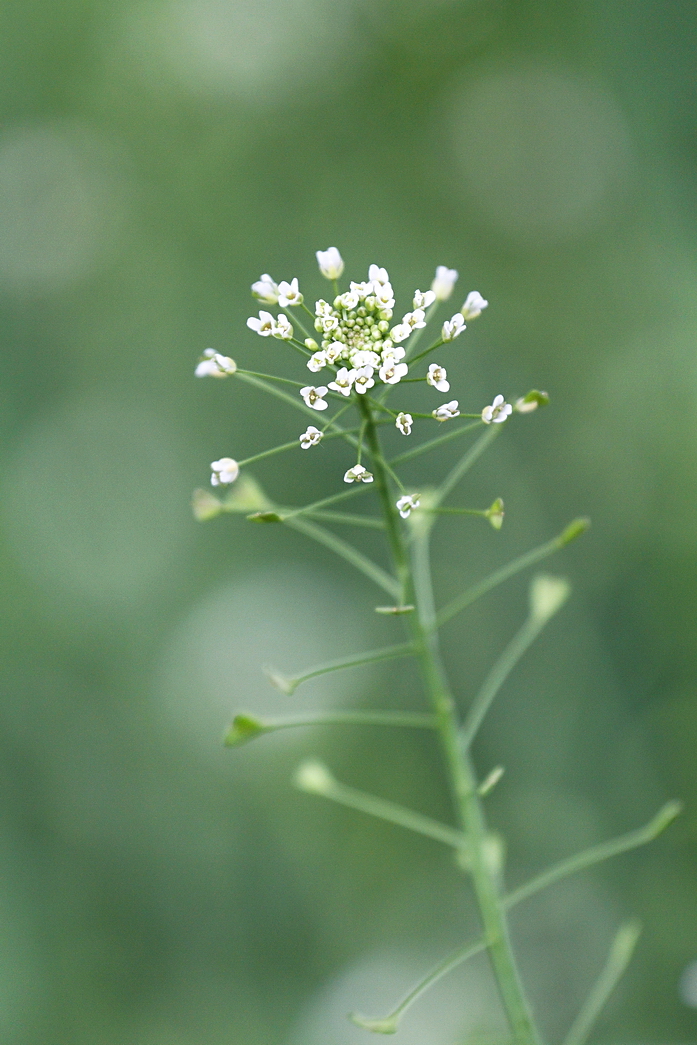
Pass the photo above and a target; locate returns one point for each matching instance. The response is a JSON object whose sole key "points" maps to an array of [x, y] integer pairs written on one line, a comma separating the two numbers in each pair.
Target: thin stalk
{"points": [[498, 675], [460, 770], [596, 854], [346, 551], [292, 401], [363, 802], [247, 727], [390, 1023], [346, 519], [618, 959], [289, 683], [432, 443], [464, 464]]}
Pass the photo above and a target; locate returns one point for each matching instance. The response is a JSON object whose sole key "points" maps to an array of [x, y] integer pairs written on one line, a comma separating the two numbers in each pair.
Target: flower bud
{"points": [[330, 262]]}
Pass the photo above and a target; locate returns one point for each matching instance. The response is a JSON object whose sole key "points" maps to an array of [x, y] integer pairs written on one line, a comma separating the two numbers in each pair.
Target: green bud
{"points": [[531, 401], [387, 1025], [265, 517], [205, 505], [314, 777], [572, 531], [495, 514], [547, 595], [665, 817], [311, 344], [244, 727], [383, 326], [281, 682]]}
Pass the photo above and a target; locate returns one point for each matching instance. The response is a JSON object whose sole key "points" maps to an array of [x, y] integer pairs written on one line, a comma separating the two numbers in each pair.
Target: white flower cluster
{"points": [[356, 330], [363, 346]]}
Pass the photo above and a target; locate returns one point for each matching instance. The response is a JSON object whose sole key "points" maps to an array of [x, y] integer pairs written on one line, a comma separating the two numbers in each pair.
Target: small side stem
{"points": [[460, 770]]}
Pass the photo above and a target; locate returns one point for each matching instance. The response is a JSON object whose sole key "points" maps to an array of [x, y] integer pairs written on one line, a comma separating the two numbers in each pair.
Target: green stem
{"points": [[460, 770], [618, 959]]}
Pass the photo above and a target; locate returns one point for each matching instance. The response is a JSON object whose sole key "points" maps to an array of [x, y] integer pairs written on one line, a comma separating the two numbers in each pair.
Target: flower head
{"points": [[265, 290], [443, 283], [474, 305], [283, 328], [404, 422], [289, 294], [363, 379], [422, 299], [343, 382], [437, 376], [447, 411], [406, 504], [378, 275], [212, 364], [497, 412], [224, 471], [358, 474], [317, 361], [452, 328], [330, 262], [310, 437], [391, 373], [314, 396], [264, 325], [416, 319]]}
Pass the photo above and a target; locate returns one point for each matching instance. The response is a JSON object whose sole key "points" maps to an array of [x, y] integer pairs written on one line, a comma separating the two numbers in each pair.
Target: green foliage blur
{"points": [[156, 156]]}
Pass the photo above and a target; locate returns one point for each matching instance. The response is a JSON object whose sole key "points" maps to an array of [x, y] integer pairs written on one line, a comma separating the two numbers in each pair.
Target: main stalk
{"points": [[417, 588]]}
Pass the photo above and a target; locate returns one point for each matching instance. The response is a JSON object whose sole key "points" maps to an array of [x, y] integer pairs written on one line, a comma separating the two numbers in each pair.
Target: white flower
{"points": [[391, 352], [446, 412], [265, 290], [364, 357], [404, 422], [406, 504], [313, 396], [343, 381], [310, 437], [289, 294], [358, 474], [363, 379], [264, 325], [445, 280], [329, 323], [422, 299], [437, 376], [415, 319], [317, 361], [283, 328], [497, 412], [334, 351], [474, 305], [330, 262], [224, 471], [391, 372], [348, 300], [378, 275], [401, 332], [384, 295], [362, 289], [323, 308], [452, 328], [213, 364]]}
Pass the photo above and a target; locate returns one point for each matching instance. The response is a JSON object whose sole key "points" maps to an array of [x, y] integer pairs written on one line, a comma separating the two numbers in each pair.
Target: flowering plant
{"points": [[365, 355]]}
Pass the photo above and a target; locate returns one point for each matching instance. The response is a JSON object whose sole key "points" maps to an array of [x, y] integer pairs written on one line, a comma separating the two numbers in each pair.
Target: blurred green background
{"points": [[155, 158]]}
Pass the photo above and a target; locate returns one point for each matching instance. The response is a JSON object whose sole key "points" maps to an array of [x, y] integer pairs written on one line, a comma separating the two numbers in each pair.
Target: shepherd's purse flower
{"points": [[497, 412], [331, 263], [224, 471]]}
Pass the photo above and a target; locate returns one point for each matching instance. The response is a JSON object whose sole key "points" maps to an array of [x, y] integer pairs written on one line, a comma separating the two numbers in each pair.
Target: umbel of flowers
{"points": [[359, 345]]}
